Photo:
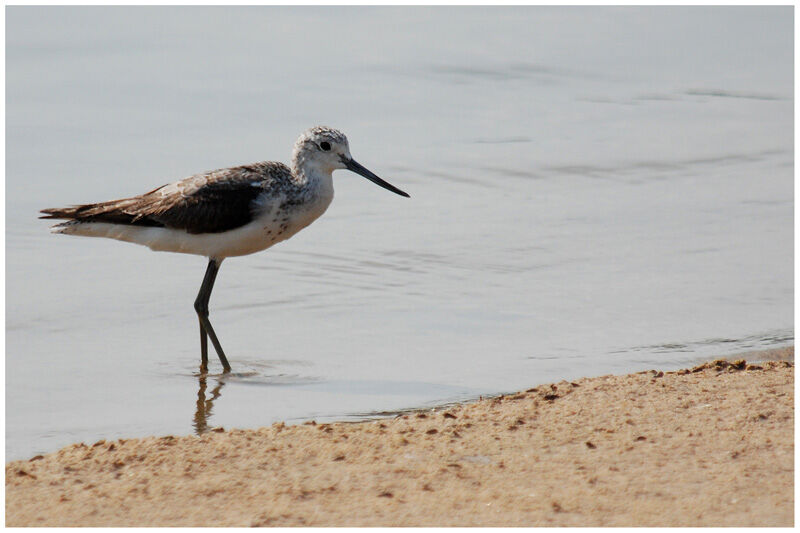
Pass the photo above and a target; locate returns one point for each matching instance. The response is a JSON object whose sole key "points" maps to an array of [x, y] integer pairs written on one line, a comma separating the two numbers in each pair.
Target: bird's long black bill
{"points": [[356, 167]]}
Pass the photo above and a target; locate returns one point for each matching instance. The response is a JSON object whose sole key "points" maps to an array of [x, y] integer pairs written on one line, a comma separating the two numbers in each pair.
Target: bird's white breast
{"points": [[281, 217]]}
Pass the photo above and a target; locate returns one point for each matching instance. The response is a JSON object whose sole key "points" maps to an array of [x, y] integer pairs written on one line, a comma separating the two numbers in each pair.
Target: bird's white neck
{"points": [[316, 187], [312, 177]]}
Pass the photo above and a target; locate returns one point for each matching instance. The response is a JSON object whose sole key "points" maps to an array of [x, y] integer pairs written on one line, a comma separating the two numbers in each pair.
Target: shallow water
{"points": [[593, 191]]}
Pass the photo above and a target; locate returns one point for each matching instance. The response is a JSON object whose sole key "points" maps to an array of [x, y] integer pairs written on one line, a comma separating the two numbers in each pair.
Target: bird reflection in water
{"points": [[204, 406]]}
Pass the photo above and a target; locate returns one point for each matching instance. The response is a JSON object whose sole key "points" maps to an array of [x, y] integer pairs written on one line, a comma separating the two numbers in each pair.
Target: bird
{"points": [[224, 213]]}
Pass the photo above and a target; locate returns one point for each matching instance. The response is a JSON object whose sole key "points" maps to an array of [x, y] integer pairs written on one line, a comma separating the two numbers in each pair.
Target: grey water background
{"points": [[594, 191]]}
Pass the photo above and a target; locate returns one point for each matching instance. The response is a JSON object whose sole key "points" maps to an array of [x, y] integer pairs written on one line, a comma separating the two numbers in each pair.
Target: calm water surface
{"points": [[593, 191]]}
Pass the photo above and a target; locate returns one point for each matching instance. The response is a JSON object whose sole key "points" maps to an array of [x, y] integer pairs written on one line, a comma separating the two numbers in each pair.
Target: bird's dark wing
{"points": [[205, 203]]}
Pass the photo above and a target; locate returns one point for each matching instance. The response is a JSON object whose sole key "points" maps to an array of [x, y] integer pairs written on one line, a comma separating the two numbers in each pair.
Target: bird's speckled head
{"points": [[321, 150], [323, 147]]}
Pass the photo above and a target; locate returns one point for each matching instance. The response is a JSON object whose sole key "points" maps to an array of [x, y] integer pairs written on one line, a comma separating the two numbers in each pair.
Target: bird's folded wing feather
{"points": [[205, 203]]}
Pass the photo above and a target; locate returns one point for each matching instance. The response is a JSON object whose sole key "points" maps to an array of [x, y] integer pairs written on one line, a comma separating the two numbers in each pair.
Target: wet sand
{"points": [[708, 446]]}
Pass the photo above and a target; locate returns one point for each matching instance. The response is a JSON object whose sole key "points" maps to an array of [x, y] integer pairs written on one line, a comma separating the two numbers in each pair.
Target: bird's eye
{"points": [[325, 146]]}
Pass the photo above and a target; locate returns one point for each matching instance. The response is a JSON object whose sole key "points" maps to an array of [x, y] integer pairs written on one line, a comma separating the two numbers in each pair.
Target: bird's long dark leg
{"points": [[201, 306], [203, 348]]}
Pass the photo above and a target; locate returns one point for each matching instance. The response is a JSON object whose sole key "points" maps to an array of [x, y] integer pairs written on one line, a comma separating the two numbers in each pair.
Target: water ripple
{"points": [[760, 340], [721, 93]]}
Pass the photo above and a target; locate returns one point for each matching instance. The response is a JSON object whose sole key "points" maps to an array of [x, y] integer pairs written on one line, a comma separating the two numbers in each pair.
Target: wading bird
{"points": [[224, 213]]}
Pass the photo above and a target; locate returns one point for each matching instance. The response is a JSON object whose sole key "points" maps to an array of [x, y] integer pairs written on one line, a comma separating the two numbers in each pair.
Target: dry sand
{"points": [[710, 446]]}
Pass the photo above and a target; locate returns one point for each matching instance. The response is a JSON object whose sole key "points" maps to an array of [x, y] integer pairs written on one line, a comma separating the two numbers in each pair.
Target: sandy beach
{"points": [[707, 446]]}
